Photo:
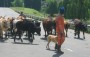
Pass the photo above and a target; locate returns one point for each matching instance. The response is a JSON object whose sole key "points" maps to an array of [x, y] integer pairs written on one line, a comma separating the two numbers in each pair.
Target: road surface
{"points": [[72, 47]]}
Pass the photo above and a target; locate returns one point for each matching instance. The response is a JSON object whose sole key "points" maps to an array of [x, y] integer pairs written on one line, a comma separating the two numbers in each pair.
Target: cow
{"points": [[38, 28], [47, 26], [79, 26], [66, 26], [4, 26], [28, 26]]}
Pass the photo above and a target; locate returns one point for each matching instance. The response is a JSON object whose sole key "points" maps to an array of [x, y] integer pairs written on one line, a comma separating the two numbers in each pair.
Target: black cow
{"points": [[28, 26], [80, 27], [37, 27]]}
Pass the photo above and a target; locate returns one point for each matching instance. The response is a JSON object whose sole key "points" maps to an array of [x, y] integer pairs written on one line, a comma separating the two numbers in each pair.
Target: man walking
{"points": [[60, 29]]}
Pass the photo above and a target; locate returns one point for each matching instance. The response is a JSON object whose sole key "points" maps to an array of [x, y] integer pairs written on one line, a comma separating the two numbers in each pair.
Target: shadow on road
{"points": [[50, 50], [43, 38], [79, 38], [3, 40], [25, 38], [25, 43], [57, 54]]}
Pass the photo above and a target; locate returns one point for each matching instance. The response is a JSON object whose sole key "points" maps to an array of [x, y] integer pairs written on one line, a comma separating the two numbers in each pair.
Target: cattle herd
{"points": [[17, 26], [50, 25]]}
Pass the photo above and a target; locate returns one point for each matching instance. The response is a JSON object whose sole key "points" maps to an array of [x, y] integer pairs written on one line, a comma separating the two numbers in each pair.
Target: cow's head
{"points": [[38, 30]]}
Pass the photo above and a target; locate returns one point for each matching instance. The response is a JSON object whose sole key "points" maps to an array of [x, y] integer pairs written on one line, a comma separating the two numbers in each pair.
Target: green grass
{"points": [[88, 21], [28, 11]]}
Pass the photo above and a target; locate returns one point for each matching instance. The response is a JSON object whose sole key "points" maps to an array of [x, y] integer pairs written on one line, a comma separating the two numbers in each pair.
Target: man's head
{"points": [[61, 9]]}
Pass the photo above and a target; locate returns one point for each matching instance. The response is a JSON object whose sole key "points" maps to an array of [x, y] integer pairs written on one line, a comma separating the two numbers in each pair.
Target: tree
{"points": [[9, 3], [18, 3], [51, 7], [28, 3], [6, 3], [76, 9], [35, 4], [2, 3]]}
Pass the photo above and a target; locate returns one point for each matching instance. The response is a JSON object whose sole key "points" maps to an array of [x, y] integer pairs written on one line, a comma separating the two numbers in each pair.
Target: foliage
{"points": [[6, 3], [73, 8], [18, 3], [76, 9], [51, 7], [35, 4]]}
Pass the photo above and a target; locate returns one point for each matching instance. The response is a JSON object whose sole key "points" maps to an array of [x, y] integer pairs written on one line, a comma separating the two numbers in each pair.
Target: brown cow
{"points": [[4, 26], [47, 25], [66, 26]]}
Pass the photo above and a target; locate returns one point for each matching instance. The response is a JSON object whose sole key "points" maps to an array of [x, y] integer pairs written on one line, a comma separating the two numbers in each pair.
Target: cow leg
{"points": [[33, 35], [12, 32], [55, 31], [1, 34], [6, 34], [17, 32], [50, 32], [30, 37], [78, 33], [66, 32], [83, 35], [45, 33], [20, 36], [75, 33], [15, 37]]}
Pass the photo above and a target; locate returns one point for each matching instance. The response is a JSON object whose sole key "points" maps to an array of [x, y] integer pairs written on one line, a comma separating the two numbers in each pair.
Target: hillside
{"points": [[28, 11]]}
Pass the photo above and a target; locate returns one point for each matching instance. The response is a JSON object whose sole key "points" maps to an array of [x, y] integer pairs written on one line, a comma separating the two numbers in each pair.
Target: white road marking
{"points": [[68, 49]]}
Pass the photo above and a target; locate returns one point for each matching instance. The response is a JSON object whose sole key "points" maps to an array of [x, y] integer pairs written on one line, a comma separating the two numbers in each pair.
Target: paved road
{"points": [[8, 12], [72, 47]]}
